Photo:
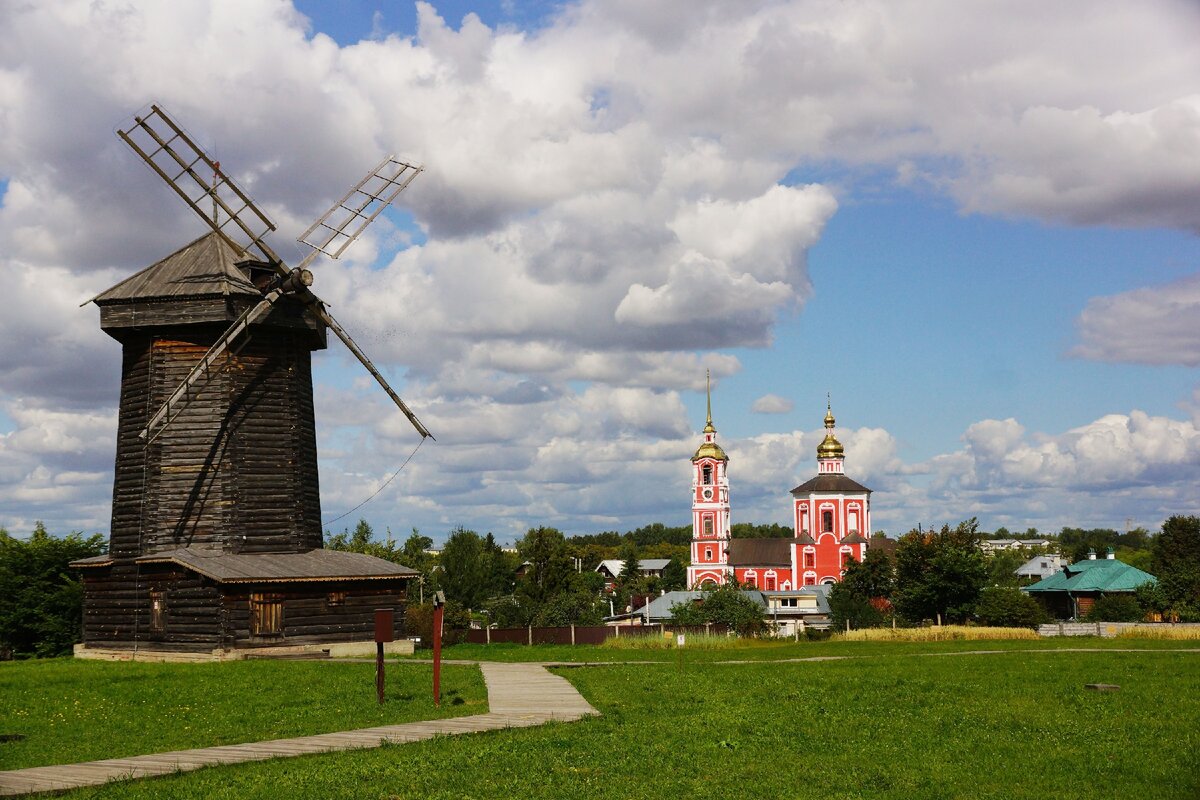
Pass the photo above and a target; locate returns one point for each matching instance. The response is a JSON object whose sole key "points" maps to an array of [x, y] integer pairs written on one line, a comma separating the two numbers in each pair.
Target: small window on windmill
{"points": [[266, 615], [335, 599], [158, 611]]}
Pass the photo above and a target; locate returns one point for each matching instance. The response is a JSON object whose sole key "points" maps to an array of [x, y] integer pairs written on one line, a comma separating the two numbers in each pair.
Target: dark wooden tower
{"points": [[216, 540], [236, 471]]}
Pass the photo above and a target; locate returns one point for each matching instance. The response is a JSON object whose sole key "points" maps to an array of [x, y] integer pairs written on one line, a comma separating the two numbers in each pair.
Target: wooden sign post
{"points": [[439, 602], [384, 632]]}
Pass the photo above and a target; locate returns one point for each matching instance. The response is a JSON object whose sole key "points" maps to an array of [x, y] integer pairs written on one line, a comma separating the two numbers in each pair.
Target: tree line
{"points": [[551, 578], [945, 575]]}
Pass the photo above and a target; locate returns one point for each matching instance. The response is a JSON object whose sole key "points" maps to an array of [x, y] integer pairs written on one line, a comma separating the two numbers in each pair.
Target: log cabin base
{"points": [[364, 649]]}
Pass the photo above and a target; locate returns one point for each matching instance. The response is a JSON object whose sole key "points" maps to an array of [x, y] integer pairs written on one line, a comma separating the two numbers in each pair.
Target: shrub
{"points": [[1115, 608], [418, 621], [1007, 607], [41, 598]]}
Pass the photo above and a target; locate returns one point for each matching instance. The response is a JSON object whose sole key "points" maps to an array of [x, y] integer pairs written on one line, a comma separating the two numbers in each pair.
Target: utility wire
{"points": [[380, 489]]}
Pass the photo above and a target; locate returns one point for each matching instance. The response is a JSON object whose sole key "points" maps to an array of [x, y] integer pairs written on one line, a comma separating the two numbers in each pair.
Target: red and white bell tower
{"points": [[710, 507]]}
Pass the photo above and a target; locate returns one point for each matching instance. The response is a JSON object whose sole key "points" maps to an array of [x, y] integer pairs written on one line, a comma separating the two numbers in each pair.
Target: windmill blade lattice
{"points": [[195, 177], [176, 158], [345, 221]]}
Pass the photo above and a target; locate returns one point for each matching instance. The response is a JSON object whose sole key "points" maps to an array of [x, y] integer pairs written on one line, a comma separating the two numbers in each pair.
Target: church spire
{"points": [[708, 426]]}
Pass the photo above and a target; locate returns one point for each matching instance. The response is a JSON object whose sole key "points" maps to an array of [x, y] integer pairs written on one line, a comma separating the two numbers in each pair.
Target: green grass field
{"points": [[775, 650], [72, 711], [889, 725]]}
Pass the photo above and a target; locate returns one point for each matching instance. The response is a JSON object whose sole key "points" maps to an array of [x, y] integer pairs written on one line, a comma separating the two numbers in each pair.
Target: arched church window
{"points": [[707, 474], [708, 554], [826, 522], [708, 526]]}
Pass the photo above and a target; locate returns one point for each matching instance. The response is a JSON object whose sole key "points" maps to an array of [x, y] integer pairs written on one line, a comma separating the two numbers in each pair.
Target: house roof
{"points": [[1033, 567], [206, 267], [1099, 575], [660, 607], [830, 482], [314, 565], [615, 565], [760, 552]]}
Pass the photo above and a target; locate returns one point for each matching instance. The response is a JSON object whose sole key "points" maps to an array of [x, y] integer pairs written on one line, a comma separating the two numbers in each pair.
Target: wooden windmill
{"points": [[216, 525]]}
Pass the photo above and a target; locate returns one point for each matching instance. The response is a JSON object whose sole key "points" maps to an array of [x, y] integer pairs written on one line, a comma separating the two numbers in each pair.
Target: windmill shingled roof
{"points": [[315, 565], [204, 268]]}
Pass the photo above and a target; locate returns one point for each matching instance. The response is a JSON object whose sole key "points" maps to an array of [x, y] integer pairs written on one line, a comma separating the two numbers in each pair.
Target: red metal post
{"points": [[439, 601], [384, 632]]}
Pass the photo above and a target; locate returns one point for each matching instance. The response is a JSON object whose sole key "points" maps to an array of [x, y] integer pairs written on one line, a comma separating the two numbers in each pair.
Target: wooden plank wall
{"points": [[202, 615], [237, 469], [308, 618]]}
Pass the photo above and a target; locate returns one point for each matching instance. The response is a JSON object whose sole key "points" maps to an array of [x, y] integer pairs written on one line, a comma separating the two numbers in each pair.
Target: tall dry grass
{"points": [[1165, 632], [935, 633], [693, 641]]}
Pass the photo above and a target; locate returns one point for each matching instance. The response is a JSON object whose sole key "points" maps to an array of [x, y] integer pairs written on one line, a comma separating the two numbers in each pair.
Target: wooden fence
{"points": [[1106, 629], [584, 634]]}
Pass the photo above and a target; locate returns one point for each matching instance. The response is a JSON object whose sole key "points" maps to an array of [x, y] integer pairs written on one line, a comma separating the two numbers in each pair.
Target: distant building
{"points": [[994, 545], [830, 514], [1072, 592], [786, 612], [1040, 567], [611, 569]]}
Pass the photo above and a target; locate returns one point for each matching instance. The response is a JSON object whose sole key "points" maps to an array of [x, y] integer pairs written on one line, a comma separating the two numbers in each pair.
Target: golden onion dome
{"points": [[830, 447], [710, 450]]}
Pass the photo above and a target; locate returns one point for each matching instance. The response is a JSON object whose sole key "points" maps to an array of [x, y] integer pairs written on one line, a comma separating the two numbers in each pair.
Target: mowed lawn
{"points": [[1006, 725], [70, 711]]}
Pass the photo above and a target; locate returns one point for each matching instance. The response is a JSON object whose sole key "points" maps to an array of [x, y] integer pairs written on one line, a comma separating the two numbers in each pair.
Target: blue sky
{"points": [[973, 231]]}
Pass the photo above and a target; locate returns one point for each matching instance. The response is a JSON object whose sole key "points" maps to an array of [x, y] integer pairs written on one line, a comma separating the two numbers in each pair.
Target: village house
{"points": [[1071, 593]]}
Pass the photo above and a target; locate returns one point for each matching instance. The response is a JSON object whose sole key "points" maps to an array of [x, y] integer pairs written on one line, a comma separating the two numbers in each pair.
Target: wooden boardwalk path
{"points": [[519, 695]]}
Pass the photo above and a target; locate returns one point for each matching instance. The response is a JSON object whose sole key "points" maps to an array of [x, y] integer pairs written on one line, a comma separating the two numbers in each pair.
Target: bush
{"points": [[1007, 607], [846, 606], [41, 598], [418, 621], [1115, 608]]}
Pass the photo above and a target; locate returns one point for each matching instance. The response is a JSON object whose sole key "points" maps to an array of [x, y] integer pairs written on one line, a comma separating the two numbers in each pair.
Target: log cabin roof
{"points": [[206, 267], [314, 565]]}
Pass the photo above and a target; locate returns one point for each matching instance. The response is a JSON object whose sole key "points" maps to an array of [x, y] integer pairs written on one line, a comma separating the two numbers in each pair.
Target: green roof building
{"points": [[1073, 591]]}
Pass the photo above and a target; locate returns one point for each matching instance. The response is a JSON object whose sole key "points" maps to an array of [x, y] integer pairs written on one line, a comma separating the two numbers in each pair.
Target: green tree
{"points": [[630, 565], [1008, 607], [848, 606], [41, 597], [499, 568], [866, 588], [412, 553], [1002, 567], [549, 564], [939, 573], [360, 540], [727, 605], [1176, 564], [674, 577], [1115, 608], [463, 569]]}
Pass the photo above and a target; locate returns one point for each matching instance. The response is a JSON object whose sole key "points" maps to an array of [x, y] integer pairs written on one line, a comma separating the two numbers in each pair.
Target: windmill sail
{"points": [[176, 158]]}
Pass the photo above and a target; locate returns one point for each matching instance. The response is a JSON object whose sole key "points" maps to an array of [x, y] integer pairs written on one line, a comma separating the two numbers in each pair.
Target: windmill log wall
{"points": [[237, 468]]}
